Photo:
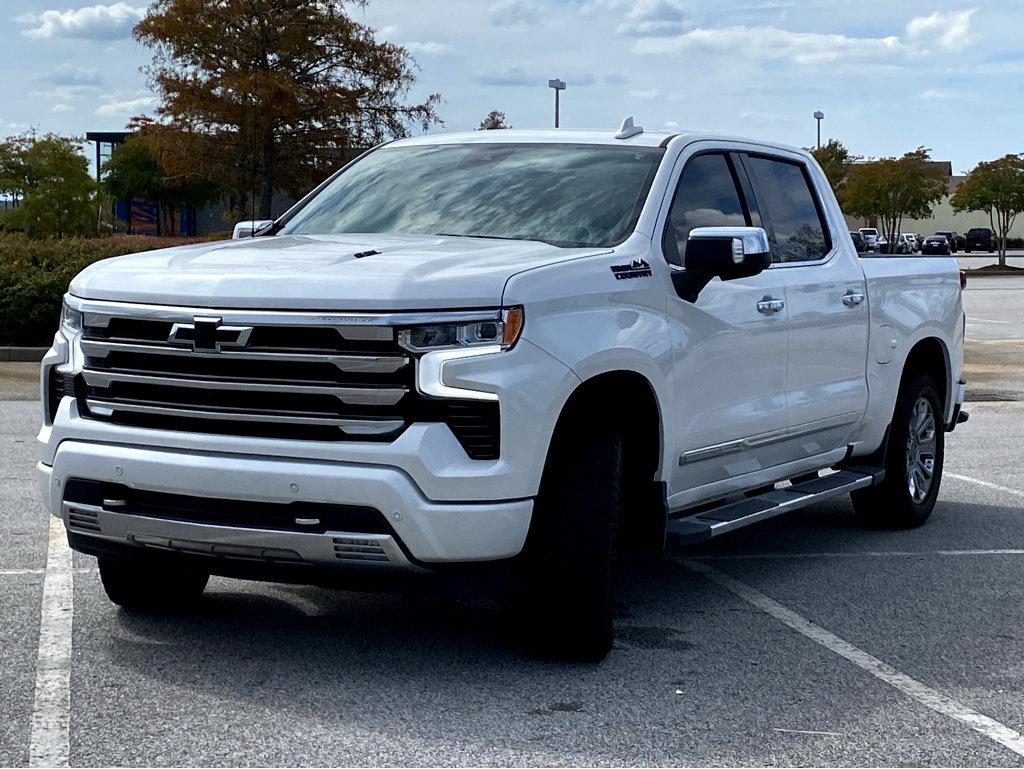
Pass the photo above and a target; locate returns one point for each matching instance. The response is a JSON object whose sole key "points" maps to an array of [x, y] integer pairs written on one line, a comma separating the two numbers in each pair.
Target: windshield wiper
{"points": [[493, 237]]}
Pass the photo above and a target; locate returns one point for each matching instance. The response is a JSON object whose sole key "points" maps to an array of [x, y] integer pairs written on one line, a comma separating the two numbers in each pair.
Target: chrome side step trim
{"points": [[735, 515]]}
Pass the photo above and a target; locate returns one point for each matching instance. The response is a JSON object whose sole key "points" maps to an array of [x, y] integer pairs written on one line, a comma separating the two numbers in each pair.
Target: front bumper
{"points": [[425, 532]]}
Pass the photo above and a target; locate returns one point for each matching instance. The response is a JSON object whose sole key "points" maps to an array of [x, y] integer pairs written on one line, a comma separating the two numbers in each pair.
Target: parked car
{"points": [[952, 237], [483, 353], [920, 241], [904, 244], [870, 235], [882, 244], [858, 242], [912, 242], [980, 239], [936, 245]]}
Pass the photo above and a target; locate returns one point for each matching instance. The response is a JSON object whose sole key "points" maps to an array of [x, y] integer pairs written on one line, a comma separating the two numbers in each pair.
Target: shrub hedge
{"points": [[34, 276]]}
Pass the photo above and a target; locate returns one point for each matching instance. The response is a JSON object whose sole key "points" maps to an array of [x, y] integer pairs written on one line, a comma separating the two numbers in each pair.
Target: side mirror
{"points": [[251, 228], [728, 253]]}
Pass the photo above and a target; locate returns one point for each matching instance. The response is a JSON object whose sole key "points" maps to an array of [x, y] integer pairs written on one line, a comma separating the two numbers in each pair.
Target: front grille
{"points": [[265, 379]]}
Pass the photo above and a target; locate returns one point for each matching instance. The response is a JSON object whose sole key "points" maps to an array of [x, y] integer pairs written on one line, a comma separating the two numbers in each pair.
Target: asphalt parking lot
{"points": [[806, 640]]}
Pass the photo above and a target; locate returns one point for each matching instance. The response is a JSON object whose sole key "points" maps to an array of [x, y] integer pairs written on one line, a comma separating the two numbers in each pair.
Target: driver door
{"points": [[730, 355]]}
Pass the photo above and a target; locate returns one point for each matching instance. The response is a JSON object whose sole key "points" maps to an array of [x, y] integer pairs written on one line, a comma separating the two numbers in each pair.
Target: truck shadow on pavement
{"points": [[290, 647]]}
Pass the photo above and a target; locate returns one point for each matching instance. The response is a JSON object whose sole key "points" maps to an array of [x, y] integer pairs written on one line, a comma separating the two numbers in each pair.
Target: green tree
{"points": [[133, 172], [893, 188], [272, 92], [997, 188], [835, 161], [493, 121], [58, 196]]}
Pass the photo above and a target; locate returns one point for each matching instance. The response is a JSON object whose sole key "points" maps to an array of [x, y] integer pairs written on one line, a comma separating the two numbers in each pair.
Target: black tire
{"points": [[566, 606], [142, 587], [892, 504]]}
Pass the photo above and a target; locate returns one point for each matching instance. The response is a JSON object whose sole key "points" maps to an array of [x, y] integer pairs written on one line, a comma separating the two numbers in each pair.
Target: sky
{"points": [[890, 75]]}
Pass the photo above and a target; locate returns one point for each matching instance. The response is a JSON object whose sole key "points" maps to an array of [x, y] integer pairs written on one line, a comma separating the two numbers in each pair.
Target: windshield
{"points": [[567, 195]]}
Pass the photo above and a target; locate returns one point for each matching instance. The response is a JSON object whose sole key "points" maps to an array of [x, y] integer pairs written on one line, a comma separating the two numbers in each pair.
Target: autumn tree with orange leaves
{"points": [[268, 94]]}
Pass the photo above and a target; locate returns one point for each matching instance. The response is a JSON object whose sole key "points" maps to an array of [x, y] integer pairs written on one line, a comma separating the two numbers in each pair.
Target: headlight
{"points": [[70, 321], [504, 332]]}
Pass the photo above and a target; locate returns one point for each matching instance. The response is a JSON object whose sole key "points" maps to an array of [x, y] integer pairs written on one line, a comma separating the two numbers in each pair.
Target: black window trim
{"points": [[731, 162], [826, 227]]}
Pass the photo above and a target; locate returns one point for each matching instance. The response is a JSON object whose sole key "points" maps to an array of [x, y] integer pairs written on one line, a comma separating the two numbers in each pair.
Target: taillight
{"points": [[963, 280]]}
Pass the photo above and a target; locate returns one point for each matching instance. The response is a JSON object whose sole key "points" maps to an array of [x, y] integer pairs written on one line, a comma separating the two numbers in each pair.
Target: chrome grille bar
{"points": [[364, 364], [350, 426], [356, 396]]}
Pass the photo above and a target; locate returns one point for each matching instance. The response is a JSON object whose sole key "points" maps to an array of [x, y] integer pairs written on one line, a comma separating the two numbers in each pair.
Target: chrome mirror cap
{"points": [[746, 241], [250, 228]]}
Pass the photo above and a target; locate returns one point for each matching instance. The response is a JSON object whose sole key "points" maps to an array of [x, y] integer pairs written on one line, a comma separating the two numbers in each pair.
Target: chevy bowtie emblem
{"points": [[208, 335]]}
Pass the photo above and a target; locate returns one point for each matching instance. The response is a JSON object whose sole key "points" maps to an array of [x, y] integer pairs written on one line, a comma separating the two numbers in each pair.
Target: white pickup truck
{"points": [[511, 350]]}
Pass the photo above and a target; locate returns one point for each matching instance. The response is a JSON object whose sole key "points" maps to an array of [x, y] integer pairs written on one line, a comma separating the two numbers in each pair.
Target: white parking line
{"points": [[930, 698], [51, 714], [857, 554], [986, 484], [984, 320]]}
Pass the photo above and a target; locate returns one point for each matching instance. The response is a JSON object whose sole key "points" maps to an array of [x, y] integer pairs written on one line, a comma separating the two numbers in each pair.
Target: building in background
{"points": [[943, 217]]}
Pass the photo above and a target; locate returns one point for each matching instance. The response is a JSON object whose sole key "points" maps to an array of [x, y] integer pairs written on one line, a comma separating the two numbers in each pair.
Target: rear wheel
{"points": [[913, 467], [143, 587], [569, 555]]}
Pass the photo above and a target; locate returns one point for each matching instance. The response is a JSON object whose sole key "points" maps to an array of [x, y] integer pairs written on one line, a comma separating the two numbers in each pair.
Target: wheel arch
{"points": [[627, 401], [929, 355]]}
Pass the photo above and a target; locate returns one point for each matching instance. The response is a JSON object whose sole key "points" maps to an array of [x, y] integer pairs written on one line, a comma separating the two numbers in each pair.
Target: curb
{"points": [[22, 354], [977, 272]]}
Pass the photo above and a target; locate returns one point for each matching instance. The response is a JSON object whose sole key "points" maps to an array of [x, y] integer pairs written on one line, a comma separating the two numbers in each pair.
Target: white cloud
{"points": [[511, 13], [61, 108], [771, 43], [94, 22], [937, 93], [126, 107], [671, 125], [648, 95], [949, 29], [427, 49], [653, 18], [389, 31]]}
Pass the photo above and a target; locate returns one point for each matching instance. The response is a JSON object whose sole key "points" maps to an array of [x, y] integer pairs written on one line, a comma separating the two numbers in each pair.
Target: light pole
{"points": [[819, 116], [558, 85]]}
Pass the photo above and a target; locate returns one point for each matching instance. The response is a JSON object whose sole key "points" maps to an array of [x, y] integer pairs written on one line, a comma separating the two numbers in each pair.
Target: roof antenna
{"points": [[627, 129]]}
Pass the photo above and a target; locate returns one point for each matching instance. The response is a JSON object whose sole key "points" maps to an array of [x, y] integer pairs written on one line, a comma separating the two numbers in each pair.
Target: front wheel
{"points": [[143, 587], [913, 466], [567, 601]]}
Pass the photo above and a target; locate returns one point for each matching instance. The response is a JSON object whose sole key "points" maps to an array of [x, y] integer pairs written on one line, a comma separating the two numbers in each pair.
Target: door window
{"points": [[796, 227], [706, 196]]}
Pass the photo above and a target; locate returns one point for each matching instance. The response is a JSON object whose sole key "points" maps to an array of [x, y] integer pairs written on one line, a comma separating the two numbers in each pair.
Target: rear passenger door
{"points": [[827, 302]]}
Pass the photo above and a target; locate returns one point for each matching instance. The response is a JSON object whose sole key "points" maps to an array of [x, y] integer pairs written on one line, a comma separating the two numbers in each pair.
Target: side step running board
{"points": [[735, 515]]}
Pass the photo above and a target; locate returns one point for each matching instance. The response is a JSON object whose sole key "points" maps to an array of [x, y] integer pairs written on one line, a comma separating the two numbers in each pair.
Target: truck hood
{"points": [[322, 272]]}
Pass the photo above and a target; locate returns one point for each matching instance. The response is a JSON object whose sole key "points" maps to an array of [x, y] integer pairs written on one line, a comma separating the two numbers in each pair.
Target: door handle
{"points": [[768, 305], [852, 298]]}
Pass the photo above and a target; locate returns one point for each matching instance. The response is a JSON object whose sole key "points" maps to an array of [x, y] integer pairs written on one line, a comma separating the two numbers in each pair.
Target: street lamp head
{"points": [[558, 85], [819, 115]]}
